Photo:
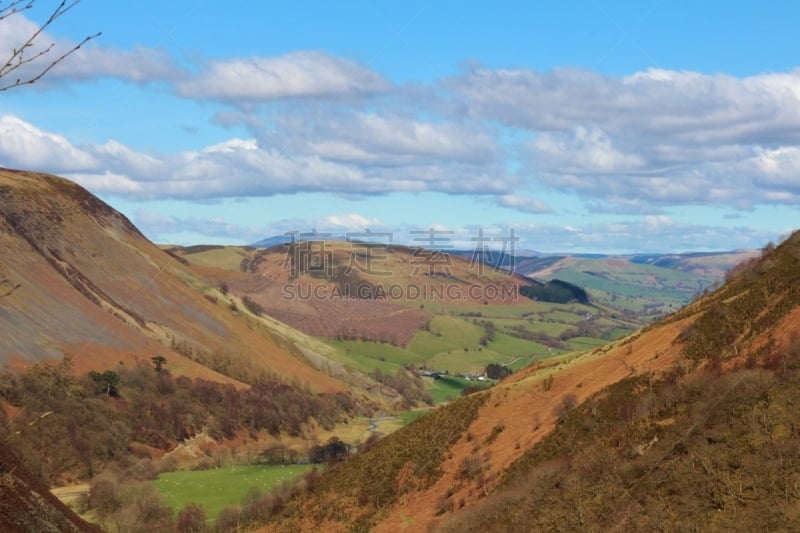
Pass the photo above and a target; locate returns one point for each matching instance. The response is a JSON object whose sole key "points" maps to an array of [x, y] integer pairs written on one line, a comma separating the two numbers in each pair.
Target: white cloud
{"points": [[234, 168], [524, 204], [393, 139], [582, 150], [297, 74], [117, 157], [107, 182], [140, 65], [779, 168], [352, 222], [660, 137], [23, 145], [686, 106]]}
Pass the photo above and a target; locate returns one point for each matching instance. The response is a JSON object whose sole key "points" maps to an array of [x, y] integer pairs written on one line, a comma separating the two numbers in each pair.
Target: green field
{"points": [[220, 487], [409, 416], [449, 388]]}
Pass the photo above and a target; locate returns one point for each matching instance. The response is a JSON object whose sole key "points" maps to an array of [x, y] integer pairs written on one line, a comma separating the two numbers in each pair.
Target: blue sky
{"points": [[583, 126]]}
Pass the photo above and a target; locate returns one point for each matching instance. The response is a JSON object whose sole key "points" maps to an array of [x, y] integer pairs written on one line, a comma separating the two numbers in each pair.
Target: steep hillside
{"points": [[688, 424], [79, 278]]}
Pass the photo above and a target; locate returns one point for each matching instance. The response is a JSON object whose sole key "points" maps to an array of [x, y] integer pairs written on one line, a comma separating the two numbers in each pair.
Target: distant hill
{"points": [[313, 235], [686, 424]]}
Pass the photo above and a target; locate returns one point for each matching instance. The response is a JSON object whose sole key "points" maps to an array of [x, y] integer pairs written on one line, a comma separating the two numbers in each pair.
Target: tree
{"points": [[497, 371], [335, 451], [105, 383], [158, 362], [25, 54]]}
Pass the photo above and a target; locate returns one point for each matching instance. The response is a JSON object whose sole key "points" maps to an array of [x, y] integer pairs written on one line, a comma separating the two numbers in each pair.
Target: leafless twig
{"points": [[19, 55]]}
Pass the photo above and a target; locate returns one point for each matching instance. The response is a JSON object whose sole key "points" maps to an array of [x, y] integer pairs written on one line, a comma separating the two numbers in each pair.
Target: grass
{"points": [[584, 343], [449, 388], [409, 416], [228, 257], [446, 333], [218, 488]]}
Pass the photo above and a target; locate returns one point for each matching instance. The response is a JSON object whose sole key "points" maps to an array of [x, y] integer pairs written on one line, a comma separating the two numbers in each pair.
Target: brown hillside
{"points": [[357, 292], [81, 279], [567, 445]]}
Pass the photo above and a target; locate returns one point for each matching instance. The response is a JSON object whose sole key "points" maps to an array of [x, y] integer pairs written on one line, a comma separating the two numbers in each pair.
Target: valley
{"points": [[209, 365]]}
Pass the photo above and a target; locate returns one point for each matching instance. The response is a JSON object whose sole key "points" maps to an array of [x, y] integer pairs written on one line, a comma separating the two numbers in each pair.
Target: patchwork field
{"points": [[465, 343]]}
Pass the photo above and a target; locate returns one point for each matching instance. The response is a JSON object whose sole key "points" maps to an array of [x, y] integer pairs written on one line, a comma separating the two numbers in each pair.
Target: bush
{"points": [[104, 496], [191, 519], [229, 519]]}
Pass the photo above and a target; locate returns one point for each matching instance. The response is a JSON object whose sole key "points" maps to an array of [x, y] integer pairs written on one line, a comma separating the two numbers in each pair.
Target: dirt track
{"points": [[71, 493]]}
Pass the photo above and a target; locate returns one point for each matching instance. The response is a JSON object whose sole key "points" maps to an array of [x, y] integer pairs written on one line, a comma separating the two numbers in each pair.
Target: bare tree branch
{"points": [[12, 8], [19, 55]]}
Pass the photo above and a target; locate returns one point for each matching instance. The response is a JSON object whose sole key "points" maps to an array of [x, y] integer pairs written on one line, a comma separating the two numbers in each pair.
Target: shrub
{"points": [[191, 519]]}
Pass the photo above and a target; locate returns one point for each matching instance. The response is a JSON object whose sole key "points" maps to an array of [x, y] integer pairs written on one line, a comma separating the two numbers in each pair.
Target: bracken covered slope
{"points": [[690, 424], [77, 277]]}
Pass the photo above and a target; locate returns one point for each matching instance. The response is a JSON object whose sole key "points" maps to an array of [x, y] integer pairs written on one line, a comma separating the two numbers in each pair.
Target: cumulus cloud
{"points": [[583, 150], [25, 146], [234, 168], [658, 136], [388, 139], [297, 74], [688, 105]]}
